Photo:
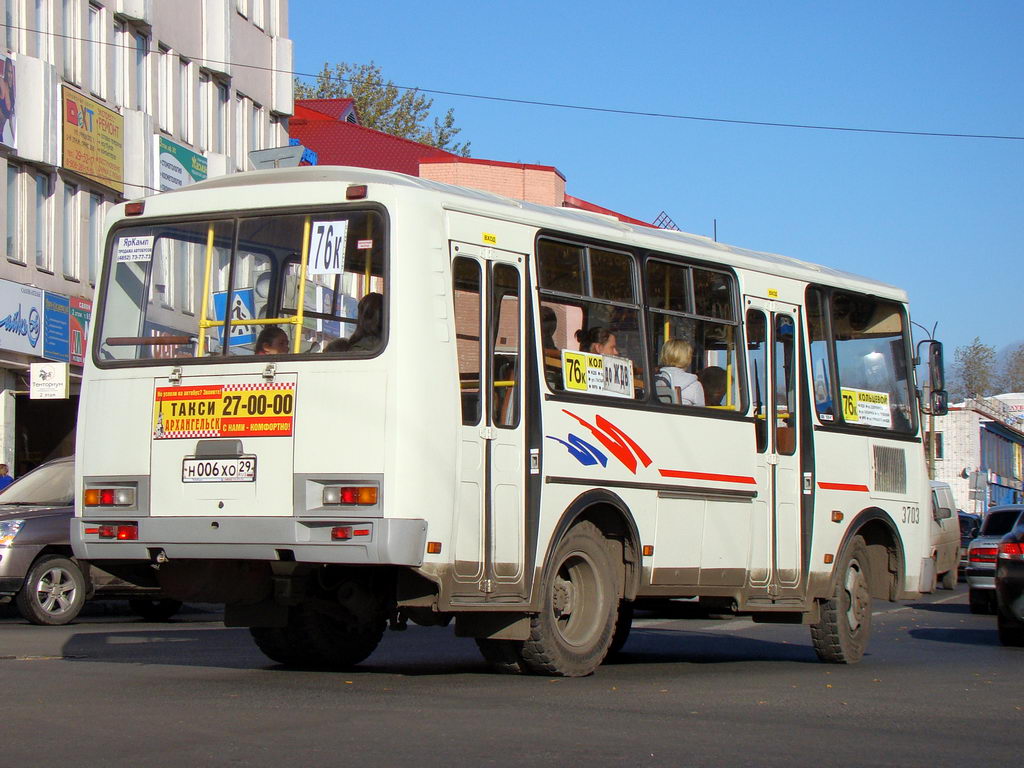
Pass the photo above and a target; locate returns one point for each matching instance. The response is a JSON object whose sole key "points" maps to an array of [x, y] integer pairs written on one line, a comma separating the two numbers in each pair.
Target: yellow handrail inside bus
{"points": [[206, 292], [296, 320]]}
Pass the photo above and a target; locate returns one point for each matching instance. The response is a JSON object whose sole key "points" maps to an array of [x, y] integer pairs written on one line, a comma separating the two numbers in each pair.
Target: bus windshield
{"points": [[272, 284]]}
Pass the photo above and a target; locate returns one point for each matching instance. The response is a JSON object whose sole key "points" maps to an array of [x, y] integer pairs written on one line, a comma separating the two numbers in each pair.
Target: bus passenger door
{"points": [[774, 362], [490, 520]]}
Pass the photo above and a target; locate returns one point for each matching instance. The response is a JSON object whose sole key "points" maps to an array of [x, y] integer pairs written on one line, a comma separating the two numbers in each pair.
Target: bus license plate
{"points": [[241, 470]]}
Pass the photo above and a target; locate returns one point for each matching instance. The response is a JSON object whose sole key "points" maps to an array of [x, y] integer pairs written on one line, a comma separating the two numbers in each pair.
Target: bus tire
{"points": [[623, 624], [841, 636], [315, 639], [504, 656], [274, 643], [579, 606]]}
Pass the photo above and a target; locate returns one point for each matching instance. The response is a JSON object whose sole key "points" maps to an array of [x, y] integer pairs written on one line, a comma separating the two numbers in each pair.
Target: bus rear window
{"points": [[273, 284]]}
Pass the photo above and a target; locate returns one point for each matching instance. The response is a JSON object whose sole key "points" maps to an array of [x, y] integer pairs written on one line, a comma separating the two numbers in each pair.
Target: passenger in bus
{"points": [[272, 341], [338, 345], [369, 321], [673, 383], [552, 353], [713, 380], [598, 340]]}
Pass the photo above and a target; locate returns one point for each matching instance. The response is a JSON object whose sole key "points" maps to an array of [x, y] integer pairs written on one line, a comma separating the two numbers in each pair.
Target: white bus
{"points": [[335, 398]]}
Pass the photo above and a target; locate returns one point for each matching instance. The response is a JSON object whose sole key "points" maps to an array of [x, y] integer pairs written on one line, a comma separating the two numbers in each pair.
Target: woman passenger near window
{"points": [[684, 388], [598, 340]]}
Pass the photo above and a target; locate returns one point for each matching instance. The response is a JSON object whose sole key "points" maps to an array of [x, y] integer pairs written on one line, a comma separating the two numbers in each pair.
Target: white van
{"points": [[945, 534]]}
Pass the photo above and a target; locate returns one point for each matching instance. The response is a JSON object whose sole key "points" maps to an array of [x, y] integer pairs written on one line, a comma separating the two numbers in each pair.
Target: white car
{"points": [[945, 534]]}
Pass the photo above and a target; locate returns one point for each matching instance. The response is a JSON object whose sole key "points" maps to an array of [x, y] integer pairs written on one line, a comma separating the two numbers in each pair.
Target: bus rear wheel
{"points": [[841, 636], [318, 638], [579, 608]]}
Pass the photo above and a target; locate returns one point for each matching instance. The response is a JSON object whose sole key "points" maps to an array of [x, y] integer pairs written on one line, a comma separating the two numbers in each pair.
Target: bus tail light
{"points": [[119, 531], [360, 495], [109, 497], [346, 532], [1011, 550], [983, 555]]}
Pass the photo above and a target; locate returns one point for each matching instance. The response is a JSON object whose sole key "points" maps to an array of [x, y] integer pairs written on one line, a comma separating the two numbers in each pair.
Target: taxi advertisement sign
{"points": [[224, 410]]}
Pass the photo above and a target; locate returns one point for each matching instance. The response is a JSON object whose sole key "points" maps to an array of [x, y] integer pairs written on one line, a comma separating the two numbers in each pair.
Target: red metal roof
{"points": [[319, 125], [341, 143], [324, 109]]}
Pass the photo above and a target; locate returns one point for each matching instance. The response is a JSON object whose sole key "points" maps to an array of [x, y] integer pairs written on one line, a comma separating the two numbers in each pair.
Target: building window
{"points": [[96, 56], [243, 7], [12, 19], [71, 231], [940, 446], [257, 13], [222, 99], [121, 54], [71, 37], [203, 113], [44, 40], [240, 133], [13, 214], [214, 98], [185, 98], [165, 89], [140, 71], [255, 129], [44, 257], [95, 227]]}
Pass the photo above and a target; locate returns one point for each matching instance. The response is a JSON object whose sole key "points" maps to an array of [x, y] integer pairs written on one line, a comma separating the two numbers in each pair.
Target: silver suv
{"points": [[983, 553], [37, 568]]}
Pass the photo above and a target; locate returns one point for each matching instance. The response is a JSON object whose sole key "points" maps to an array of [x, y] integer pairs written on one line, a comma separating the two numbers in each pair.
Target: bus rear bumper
{"points": [[380, 541]]}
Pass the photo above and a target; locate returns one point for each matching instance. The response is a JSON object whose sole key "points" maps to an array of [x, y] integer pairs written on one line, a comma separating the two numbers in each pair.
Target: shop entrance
{"points": [[45, 429]]}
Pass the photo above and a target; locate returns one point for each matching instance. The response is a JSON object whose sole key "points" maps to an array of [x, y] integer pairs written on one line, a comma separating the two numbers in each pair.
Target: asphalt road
{"points": [[935, 689]]}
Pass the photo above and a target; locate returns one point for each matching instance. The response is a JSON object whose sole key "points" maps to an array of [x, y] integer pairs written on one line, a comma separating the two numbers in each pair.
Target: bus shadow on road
{"points": [[215, 647], [654, 646], [965, 636], [941, 607]]}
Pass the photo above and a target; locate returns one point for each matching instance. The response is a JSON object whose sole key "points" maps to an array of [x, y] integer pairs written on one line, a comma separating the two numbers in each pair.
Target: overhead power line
{"points": [[563, 105]]}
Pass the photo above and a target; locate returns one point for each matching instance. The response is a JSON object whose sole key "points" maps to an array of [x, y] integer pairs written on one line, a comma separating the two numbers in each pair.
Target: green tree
{"points": [[975, 369], [384, 106], [1012, 379]]}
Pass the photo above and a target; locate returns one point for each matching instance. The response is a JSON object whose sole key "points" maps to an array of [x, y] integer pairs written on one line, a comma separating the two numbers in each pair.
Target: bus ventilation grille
{"points": [[890, 470]]}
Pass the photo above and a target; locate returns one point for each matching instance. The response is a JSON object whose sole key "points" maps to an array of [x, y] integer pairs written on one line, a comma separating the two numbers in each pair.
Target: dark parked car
{"points": [[1010, 587], [970, 525], [982, 555], [38, 571]]}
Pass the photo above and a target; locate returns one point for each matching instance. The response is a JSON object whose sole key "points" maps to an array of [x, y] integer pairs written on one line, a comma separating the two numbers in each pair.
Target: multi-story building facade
{"points": [[979, 451], [102, 101]]}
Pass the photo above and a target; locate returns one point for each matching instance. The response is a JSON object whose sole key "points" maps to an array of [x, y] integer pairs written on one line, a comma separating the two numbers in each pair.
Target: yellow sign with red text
{"points": [[224, 410]]}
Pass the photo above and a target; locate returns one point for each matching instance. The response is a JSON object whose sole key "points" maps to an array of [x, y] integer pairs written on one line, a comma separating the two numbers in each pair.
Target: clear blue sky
{"points": [[941, 217]]}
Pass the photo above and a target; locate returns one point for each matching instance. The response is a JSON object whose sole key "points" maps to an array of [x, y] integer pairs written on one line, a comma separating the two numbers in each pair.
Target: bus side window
{"points": [[504, 335], [466, 296], [757, 356]]}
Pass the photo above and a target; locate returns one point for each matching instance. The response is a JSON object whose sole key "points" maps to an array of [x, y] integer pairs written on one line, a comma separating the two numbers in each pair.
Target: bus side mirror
{"points": [[938, 402], [936, 369]]}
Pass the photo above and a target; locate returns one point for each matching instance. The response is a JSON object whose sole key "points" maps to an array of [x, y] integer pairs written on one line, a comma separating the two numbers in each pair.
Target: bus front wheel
{"points": [[573, 631], [841, 636]]}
